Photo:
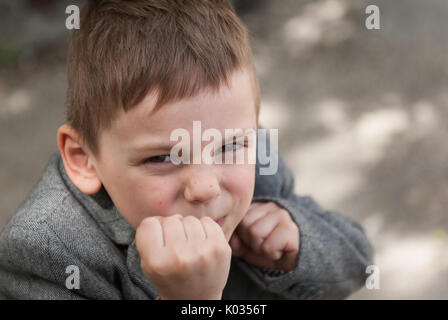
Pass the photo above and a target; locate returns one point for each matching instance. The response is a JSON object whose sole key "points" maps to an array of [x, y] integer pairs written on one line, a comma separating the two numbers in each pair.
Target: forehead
{"points": [[230, 107]]}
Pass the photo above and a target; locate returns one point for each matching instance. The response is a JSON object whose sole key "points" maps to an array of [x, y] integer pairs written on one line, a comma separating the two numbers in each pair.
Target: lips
{"points": [[220, 221]]}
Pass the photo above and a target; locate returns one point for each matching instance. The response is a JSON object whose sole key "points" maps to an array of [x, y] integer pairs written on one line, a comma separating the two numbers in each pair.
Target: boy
{"points": [[111, 219]]}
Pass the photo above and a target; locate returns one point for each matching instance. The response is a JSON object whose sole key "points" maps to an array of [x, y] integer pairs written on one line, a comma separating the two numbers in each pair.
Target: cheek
{"points": [[138, 197], [243, 180], [159, 200], [155, 196], [241, 183]]}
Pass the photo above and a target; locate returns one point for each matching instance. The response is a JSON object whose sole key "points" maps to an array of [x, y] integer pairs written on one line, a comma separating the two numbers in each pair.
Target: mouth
{"points": [[220, 221]]}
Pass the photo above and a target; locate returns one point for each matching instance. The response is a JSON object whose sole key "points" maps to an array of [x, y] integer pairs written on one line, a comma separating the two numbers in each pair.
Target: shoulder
{"points": [[52, 230], [52, 211]]}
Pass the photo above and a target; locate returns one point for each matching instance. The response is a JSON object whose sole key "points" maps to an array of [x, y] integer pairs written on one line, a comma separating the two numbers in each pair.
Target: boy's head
{"points": [[137, 70]]}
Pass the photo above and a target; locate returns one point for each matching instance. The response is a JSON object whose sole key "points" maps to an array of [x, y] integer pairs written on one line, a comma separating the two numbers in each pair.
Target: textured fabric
{"points": [[58, 226]]}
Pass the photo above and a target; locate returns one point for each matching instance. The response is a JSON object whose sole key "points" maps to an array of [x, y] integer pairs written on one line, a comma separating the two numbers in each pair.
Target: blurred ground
{"points": [[362, 117]]}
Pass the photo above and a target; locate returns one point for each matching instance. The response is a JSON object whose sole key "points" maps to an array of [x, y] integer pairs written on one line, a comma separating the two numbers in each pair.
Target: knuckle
{"points": [[290, 226], [270, 251], [253, 231], [284, 215], [267, 247], [156, 267], [147, 222], [223, 250], [182, 262], [272, 204], [206, 219], [245, 222], [203, 259], [210, 226], [294, 227], [171, 218], [190, 219], [205, 254]]}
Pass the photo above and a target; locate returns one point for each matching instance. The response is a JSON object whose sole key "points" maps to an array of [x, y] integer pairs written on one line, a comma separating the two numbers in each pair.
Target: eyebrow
{"points": [[163, 146], [154, 146]]}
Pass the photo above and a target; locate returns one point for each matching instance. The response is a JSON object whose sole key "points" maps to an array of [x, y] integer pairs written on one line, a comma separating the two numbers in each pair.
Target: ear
{"points": [[77, 160]]}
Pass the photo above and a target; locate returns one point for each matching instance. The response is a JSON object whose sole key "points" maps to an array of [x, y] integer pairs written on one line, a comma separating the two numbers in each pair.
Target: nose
{"points": [[202, 184]]}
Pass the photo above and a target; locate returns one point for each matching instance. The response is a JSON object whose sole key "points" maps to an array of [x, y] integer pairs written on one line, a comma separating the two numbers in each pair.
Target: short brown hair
{"points": [[127, 49]]}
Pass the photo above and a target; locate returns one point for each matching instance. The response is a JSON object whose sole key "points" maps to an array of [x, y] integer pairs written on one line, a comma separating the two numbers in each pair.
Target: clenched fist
{"points": [[267, 237], [184, 257]]}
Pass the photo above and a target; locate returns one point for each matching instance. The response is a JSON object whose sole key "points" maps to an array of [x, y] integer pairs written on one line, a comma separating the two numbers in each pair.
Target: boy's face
{"points": [[142, 181]]}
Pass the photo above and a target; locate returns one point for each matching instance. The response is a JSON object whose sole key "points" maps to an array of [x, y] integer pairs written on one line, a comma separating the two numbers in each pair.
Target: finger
{"points": [[213, 231], [251, 216], [281, 240], [256, 204], [149, 237], [193, 229], [258, 260], [266, 205], [160, 218], [173, 231], [256, 234]]}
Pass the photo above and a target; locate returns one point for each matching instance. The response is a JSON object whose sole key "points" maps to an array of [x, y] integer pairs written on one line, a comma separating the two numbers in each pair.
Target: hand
{"points": [[184, 258], [267, 237]]}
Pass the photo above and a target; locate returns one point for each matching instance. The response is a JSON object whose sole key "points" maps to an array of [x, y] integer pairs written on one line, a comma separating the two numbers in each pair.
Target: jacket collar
{"points": [[101, 208], [104, 212]]}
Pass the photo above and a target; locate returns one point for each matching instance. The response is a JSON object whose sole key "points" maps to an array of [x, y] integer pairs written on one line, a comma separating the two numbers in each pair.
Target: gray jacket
{"points": [[58, 226]]}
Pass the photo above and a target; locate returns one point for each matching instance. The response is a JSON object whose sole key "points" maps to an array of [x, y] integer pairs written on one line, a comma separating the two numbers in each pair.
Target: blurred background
{"points": [[362, 116]]}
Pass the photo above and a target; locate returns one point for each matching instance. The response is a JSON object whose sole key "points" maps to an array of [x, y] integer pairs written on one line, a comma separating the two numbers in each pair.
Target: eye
{"points": [[158, 159], [234, 144]]}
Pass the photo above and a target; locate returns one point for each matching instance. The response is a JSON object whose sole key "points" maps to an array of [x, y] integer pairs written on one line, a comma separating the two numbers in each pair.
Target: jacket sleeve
{"points": [[33, 266], [333, 250], [25, 270]]}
